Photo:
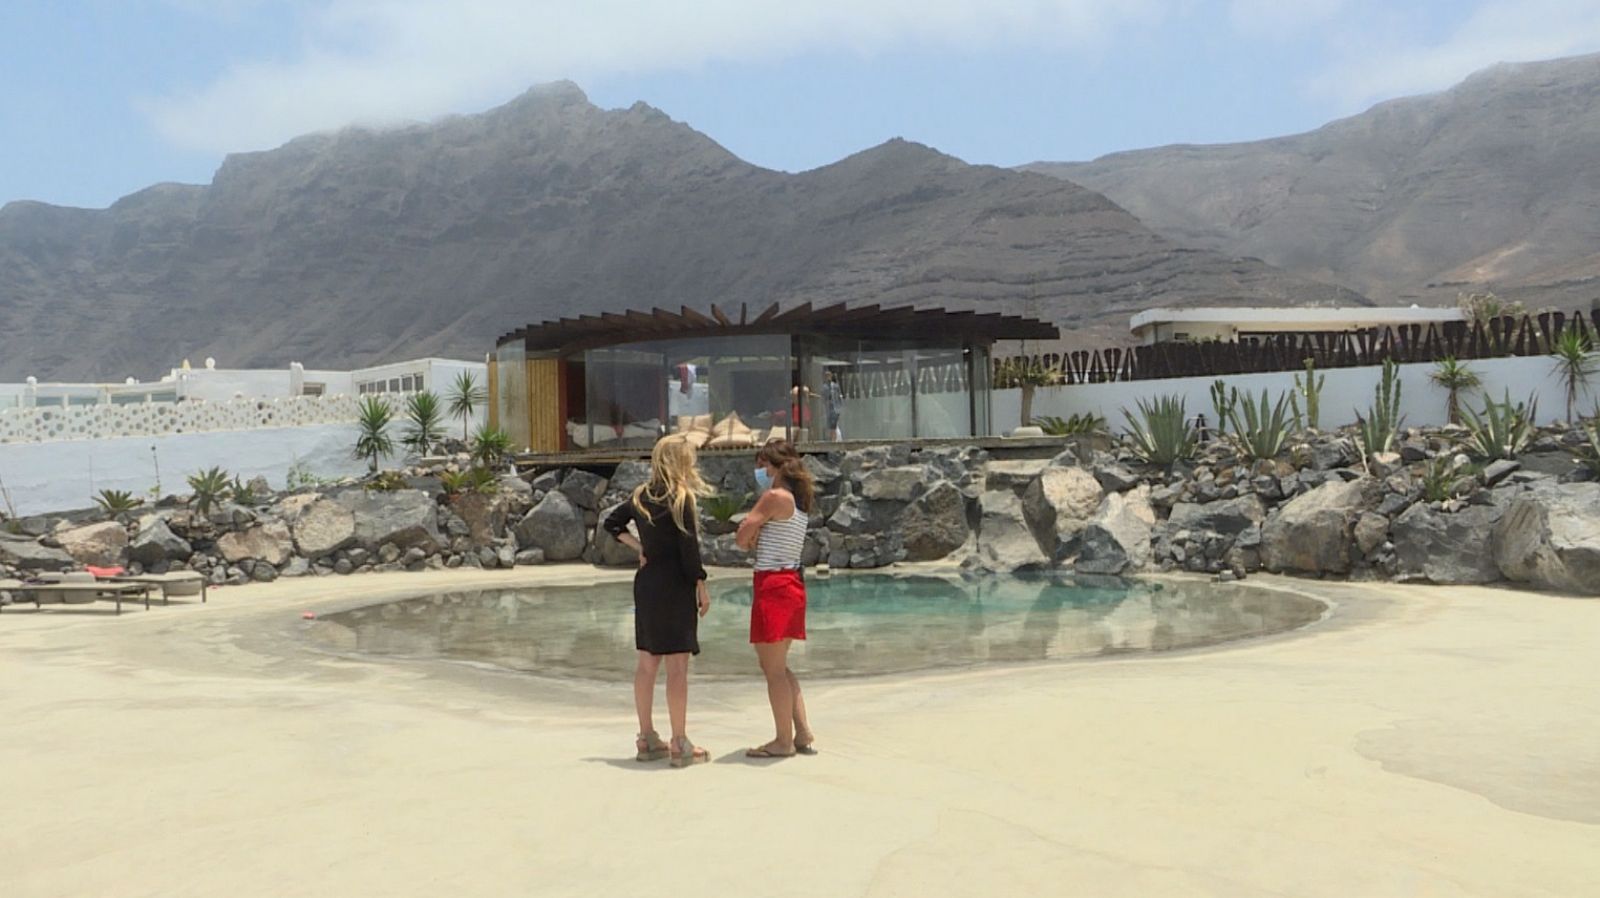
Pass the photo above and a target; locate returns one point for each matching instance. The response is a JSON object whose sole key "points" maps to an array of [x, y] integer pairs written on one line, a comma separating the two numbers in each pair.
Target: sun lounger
{"points": [[176, 583], [78, 589]]}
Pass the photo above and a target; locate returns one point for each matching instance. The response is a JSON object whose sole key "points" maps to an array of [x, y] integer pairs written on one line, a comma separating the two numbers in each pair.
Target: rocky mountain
{"points": [[367, 245], [1493, 184]]}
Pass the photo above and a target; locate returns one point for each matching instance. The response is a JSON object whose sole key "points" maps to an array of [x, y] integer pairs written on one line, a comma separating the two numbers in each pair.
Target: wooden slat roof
{"points": [[608, 328]]}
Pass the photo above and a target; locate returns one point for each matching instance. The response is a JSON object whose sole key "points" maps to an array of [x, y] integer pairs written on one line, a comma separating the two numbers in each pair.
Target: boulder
{"points": [[605, 550], [625, 479], [1446, 548], [1370, 532], [104, 544], [823, 473], [1058, 505], [484, 515], [1114, 476], [1005, 542], [1228, 516], [1117, 539], [320, 527], [1311, 533], [935, 525], [269, 542], [155, 543], [1013, 474], [900, 484], [852, 516], [27, 554], [1550, 537], [404, 517], [583, 489], [529, 556], [555, 525]]}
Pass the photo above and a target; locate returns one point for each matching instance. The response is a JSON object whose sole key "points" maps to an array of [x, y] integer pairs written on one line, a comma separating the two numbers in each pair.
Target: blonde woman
{"points": [[775, 532], [669, 592]]}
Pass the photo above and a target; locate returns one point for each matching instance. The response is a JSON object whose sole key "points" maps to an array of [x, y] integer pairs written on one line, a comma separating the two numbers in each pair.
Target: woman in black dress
{"points": [[669, 592]]}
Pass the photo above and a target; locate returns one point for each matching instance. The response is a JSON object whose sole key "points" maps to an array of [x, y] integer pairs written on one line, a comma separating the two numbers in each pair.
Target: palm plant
{"points": [[1161, 434], [115, 502], [473, 479], [424, 422], [1377, 430], [464, 397], [373, 440], [208, 487], [1261, 432], [1222, 402], [1501, 430], [1454, 377], [1575, 363], [490, 446]]}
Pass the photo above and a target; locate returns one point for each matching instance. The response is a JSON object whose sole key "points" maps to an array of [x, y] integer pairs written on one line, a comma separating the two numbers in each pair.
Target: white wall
{"points": [[1345, 391], [56, 476]]}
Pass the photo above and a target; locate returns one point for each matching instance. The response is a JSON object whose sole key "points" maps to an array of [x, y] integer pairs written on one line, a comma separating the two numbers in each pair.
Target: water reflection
{"points": [[858, 624]]}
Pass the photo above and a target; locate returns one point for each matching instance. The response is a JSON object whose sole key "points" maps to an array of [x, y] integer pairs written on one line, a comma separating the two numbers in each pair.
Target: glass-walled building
{"points": [[811, 376]]}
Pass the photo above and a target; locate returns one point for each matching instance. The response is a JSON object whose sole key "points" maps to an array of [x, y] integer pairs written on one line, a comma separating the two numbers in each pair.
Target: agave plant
{"points": [[208, 487], [1454, 377], [241, 493], [1501, 429], [1260, 429], [1161, 434], [115, 502], [1084, 423], [424, 422], [1377, 430], [1588, 452], [1576, 363], [373, 440], [490, 446], [464, 397], [723, 506], [1444, 477]]}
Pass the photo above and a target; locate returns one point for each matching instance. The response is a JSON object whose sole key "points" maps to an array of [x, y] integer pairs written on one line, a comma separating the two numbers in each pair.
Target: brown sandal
{"points": [[650, 747], [687, 753]]}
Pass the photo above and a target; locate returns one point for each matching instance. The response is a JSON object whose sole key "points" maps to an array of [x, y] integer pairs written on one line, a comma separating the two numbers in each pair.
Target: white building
{"points": [[1230, 324]]}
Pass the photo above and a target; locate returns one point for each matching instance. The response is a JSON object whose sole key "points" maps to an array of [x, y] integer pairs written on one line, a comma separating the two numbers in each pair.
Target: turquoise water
{"points": [[858, 624]]}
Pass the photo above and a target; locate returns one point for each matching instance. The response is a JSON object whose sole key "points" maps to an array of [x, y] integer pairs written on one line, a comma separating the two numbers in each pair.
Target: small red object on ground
{"points": [[308, 615]]}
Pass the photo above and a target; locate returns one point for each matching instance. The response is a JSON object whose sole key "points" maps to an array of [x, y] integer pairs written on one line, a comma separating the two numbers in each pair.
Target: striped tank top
{"points": [[779, 543]]}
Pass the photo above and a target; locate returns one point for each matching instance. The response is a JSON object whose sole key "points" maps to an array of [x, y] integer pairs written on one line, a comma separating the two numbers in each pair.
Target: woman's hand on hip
{"points": [[703, 597]]}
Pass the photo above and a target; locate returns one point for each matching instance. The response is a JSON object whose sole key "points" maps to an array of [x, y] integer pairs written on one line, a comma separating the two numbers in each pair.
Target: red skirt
{"points": [[778, 611]]}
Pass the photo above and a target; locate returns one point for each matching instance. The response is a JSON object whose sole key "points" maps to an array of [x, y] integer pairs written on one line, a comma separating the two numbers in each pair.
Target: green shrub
{"points": [[241, 493], [1443, 478], [1454, 377], [1075, 425], [1501, 429], [1261, 430], [1161, 434], [424, 422], [386, 482], [115, 502], [1588, 452], [208, 487], [490, 446]]}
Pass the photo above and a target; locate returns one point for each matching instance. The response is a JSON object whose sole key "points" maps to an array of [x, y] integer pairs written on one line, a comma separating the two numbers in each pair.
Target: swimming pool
{"points": [[857, 624]]}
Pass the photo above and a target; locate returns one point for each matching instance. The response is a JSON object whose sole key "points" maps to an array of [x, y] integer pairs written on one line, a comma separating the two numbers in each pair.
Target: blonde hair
{"points": [[674, 482]]}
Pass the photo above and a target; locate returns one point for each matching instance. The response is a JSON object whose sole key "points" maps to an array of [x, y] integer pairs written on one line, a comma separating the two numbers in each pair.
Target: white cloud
{"points": [[379, 61], [1496, 31], [1281, 18]]}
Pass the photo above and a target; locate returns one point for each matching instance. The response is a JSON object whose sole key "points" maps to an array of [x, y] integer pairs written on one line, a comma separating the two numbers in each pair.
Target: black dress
{"points": [[665, 613]]}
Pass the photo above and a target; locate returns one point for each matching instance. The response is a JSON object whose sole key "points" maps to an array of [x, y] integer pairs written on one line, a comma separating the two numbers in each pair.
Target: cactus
{"points": [[1311, 389]]}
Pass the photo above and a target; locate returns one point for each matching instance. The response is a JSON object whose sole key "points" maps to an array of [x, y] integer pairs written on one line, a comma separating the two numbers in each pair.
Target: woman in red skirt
{"points": [[775, 530]]}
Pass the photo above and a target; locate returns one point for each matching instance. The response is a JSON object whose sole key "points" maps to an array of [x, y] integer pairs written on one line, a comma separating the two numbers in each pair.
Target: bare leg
{"points": [[644, 688], [774, 658], [678, 693], [802, 726]]}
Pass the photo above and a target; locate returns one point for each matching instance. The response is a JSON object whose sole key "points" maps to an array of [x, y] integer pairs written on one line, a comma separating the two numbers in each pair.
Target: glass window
{"points": [[511, 370], [873, 390], [394, 384]]}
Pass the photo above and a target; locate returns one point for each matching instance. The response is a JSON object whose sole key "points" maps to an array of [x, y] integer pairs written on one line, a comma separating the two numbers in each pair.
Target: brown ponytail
{"points": [[781, 454]]}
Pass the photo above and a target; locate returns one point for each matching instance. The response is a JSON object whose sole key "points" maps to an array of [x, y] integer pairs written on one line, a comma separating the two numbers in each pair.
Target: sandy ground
{"points": [[1422, 741]]}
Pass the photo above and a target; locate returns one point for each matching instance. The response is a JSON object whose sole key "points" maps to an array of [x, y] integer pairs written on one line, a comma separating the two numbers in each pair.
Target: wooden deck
{"points": [[1001, 447]]}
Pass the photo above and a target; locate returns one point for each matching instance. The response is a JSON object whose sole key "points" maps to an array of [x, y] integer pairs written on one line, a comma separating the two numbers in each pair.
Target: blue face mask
{"points": [[763, 480]]}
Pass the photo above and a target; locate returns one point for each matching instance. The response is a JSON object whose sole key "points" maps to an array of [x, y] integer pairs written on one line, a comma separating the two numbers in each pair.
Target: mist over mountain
{"points": [[1491, 185], [366, 245]]}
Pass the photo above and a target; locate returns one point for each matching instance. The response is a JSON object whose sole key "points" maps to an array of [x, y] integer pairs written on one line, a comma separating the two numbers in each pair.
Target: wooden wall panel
{"points": [[494, 393], [544, 405]]}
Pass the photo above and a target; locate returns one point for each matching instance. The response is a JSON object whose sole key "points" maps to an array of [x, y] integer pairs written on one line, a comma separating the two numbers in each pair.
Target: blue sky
{"points": [[99, 98]]}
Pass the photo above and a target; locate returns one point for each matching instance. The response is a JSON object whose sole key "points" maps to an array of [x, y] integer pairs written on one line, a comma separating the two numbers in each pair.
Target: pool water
{"points": [[857, 624]]}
